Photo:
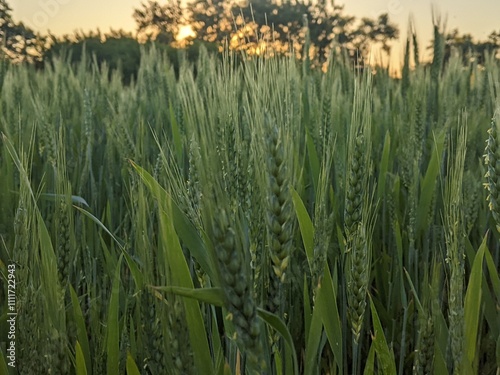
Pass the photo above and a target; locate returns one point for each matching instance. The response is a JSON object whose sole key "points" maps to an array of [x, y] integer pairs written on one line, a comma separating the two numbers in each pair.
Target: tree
{"points": [[155, 21], [211, 20], [118, 49], [19, 43], [275, 24], [470, 49], [491, 46], [283, 21], [379, 31], [247, 23]]}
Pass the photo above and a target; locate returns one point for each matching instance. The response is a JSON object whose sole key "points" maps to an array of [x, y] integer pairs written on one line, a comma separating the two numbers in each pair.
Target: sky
{"points": [[478, 18]]}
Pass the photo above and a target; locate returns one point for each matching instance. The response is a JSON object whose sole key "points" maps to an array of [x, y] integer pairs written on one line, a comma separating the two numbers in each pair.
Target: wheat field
{"points": [[255, 217]]}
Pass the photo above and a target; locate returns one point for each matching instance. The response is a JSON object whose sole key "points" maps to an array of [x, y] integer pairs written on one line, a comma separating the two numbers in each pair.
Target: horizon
{"points": [[68, 16]]}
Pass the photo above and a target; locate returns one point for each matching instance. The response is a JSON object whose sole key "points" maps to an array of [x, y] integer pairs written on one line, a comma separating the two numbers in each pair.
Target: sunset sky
{"points": [[479, 18]]}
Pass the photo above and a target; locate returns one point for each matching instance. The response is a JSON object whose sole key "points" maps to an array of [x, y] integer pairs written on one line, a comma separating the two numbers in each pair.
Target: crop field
{"points": [[250, 217]]}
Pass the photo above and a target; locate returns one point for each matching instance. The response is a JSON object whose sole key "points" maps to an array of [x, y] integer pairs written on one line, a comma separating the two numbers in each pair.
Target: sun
{"points": [[185, 31]]}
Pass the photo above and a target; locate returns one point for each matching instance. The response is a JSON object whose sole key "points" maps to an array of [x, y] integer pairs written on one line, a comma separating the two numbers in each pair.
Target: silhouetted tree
{"points": [[118, 49], [276, 24], [211, 20], [468, 48], [155, 21], [379, 31], [18, 42]]}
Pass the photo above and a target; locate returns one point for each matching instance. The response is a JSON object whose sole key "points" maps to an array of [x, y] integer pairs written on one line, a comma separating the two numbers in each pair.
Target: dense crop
{"points": [[260, 217]]}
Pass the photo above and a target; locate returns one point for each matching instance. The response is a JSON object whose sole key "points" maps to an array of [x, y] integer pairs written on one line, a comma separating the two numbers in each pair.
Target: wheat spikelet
{"points": [[406, 66], [46, 144], [153, 334], [193, 183], [56, 354], [21, 237], [31, 354], [424, 357], [416, 52], [87, 121], [233, 274], [63, 243], [177, 341], [256, 220], [472, 200], [358, 277], [492, 161], [358, 224], [455, 249], [323, 216], [354, 187], [438, 49], [280, 211]]}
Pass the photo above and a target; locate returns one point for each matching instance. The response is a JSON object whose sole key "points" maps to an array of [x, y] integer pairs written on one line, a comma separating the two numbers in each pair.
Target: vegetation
{"points": [[117, 51], [248, 25], [259, 27], [18, 42], [258, 218]]}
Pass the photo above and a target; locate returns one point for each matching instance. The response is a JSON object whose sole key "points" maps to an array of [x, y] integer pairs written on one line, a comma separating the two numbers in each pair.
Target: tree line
{"points": [[301, 27]]}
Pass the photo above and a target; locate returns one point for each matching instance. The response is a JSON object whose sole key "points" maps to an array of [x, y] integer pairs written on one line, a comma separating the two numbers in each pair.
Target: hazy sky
{"points": [[478, 17]]}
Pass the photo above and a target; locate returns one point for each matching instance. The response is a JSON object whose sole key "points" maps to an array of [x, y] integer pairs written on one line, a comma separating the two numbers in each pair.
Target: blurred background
{"points": [[372, 32]]}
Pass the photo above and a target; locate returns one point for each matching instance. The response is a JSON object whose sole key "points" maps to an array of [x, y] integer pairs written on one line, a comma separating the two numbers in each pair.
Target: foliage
{"points": [[245, 25], [256, 217], [469, 48], [161, 22], [116, 50], [19, 42]]}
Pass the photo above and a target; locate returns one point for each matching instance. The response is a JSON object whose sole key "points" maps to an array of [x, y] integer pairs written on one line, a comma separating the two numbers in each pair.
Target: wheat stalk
{"points": [[492, 161]]}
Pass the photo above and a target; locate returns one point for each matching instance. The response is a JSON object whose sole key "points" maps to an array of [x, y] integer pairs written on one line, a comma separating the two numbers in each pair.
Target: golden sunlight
{"points": [[185, 31]]}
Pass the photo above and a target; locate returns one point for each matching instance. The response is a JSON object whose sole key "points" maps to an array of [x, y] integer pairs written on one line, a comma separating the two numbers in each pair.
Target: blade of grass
{"points": [[277, 324], [176, 134], [213, 296], [184, 228], [313, 341], [494, 275], [313, 160], [329, 314], [112, 329], [81, 368], [217, 346], [370, 361], [306, 226], [132, 368], [472, 305], [439, 362], [81, 332], [3, 365], [176, 262], [384, 167], [384, 355], [307, 307], [429, 183], [134, 269], [74, 198]]}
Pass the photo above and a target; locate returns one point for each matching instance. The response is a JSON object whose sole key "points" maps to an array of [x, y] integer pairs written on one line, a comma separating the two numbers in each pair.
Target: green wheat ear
{"points": [[279, 217], [240, 304], [492, 161]]}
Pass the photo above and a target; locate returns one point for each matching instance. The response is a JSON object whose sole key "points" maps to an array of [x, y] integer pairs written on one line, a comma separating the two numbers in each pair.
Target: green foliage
{"points": [[117, 52], [237, 218]]}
